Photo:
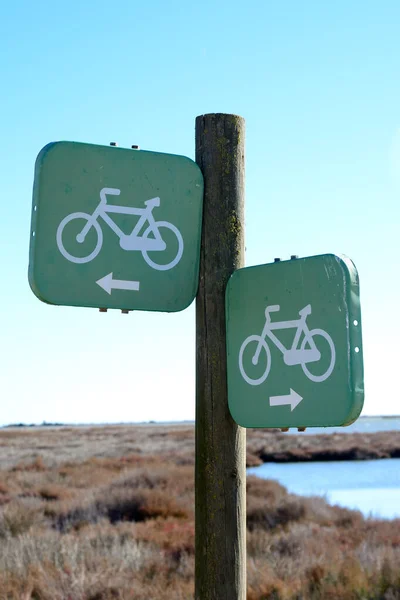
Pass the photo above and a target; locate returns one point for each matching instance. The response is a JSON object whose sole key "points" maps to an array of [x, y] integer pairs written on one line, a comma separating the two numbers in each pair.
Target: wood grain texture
{"points": [[220, 477]]}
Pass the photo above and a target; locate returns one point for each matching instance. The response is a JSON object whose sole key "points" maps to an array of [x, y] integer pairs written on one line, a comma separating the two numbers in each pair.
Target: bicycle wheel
{"points": [[174, 249], [254, 367], [78, 250], [327, 364]]}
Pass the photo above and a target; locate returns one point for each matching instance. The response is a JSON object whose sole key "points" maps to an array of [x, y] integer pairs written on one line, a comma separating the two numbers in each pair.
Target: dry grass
{"points": [[30, 448], [107, 513], [36, 449]]}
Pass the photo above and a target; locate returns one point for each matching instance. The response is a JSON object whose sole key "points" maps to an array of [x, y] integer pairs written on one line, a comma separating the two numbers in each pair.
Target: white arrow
{"points": [[108, 284], [293, 399]]}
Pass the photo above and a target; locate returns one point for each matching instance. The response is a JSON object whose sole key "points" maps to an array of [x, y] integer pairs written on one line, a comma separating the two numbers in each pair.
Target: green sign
{"points": [[115, 228], [294, 343]]}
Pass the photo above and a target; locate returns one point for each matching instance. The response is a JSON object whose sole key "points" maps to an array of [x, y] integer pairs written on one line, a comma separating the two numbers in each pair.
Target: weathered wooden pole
{"points": [[220, 479]]}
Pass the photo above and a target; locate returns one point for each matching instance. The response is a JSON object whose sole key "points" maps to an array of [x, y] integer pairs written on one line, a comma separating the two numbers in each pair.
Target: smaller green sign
{"points": [[115, 228], [294, 346]]}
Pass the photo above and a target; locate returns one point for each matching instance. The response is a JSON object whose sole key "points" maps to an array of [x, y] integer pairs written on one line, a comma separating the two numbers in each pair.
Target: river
{"points": [[371, 486]]}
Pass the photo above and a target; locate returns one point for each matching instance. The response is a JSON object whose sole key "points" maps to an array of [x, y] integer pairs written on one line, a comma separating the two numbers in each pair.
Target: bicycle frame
{"points": [[131, 241], [299, 324], [291, 355]]}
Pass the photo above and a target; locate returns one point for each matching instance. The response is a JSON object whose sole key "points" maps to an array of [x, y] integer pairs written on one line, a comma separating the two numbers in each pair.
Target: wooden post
{"points": [[220, 478]]}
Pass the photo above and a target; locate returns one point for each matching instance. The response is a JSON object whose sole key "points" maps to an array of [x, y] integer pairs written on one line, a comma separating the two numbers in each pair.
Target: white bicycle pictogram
{"points": [[134, 241], [303, 355]]}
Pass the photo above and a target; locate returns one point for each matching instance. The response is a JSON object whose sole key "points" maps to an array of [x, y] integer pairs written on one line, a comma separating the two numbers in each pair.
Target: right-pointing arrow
{"points": [[293, 399]]}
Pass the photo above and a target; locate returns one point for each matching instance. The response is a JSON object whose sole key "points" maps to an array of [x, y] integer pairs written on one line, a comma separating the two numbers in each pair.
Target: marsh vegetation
{"points": [[101, 513]]}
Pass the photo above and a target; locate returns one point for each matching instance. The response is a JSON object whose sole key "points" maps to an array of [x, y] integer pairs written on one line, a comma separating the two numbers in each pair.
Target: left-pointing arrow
{"points": [[108, 284]]}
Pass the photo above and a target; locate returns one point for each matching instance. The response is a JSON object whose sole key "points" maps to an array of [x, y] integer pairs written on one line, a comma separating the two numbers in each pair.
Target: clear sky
{"points": [[318, 85]]}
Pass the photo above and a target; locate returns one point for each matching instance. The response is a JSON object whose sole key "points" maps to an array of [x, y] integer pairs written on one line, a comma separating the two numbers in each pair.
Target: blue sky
{"points": [[318, 86]]}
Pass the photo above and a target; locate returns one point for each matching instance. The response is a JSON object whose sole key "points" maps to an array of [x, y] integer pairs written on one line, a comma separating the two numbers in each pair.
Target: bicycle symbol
{"points": [[134, 241], [307, 353]]}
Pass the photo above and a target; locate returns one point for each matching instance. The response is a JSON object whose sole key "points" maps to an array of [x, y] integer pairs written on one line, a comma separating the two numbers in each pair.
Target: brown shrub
{"points": [[268, 489], [36, 465], [16, 519], [269, 505], [54, 492], [4, 488], [140, 505], [115, 504], [175, 536], [252, 460], [261, 515], [383, 533], [65, 516]]}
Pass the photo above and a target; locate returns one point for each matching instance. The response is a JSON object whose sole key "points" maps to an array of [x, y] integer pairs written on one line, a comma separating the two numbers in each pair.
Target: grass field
{"points": [[99, 513]]}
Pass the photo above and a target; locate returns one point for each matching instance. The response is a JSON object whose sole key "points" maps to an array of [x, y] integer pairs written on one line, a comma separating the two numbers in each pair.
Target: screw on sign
{"points": [[294, 343]]}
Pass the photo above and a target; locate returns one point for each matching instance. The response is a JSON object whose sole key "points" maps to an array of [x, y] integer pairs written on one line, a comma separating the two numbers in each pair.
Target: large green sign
{"points": [[294, 343], [115, 228]]}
